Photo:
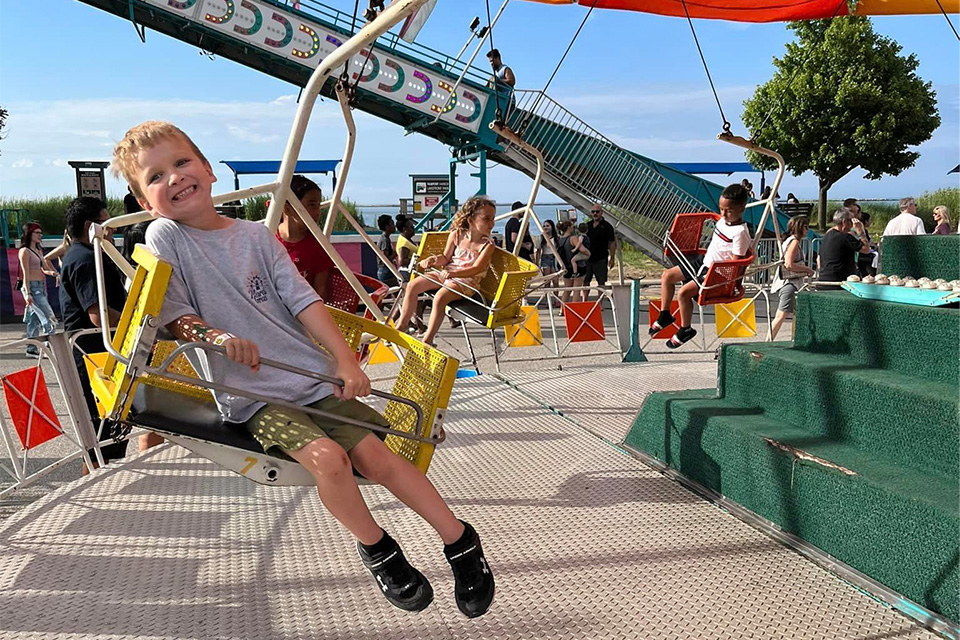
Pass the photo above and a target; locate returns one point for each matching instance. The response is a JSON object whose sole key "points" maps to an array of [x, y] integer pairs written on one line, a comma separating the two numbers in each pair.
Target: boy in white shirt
{"points": [[907, 223], [234, 285], [730, 241]]}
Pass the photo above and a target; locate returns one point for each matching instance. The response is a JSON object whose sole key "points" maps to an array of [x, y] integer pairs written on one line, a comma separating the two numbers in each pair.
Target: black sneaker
{"points": [[474, 581], [401, 584]]}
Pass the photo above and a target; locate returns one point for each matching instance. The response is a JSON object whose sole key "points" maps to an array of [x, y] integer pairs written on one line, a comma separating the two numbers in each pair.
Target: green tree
{"points": [[842, 97]]}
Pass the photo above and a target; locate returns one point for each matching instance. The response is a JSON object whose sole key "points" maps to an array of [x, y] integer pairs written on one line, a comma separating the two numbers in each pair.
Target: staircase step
{"points": [[913, 340], [895, 524], [910, 421]]}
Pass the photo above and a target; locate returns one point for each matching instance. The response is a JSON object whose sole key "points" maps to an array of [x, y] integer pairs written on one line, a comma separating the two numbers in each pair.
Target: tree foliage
{"points": [[842, 97]]}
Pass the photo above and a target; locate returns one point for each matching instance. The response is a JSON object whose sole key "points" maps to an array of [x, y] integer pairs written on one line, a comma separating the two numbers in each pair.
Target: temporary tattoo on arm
{"points": [[192, 328]]}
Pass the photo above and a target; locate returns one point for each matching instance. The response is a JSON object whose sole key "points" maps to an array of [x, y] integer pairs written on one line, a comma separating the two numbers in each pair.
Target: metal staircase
{"points": [[582, 166]]}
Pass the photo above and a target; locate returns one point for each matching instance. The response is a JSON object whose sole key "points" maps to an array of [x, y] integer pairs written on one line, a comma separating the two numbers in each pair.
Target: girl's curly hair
{"points": [[471, 208]]}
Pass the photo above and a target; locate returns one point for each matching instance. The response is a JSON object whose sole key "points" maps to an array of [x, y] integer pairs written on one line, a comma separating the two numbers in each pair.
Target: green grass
{"points": [[637, 265], [49, 211], [881, 213], [255, 208]]}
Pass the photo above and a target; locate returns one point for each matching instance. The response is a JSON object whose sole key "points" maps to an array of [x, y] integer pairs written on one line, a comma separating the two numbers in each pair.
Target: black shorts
{"points": [[596, 269], [696, 261]]}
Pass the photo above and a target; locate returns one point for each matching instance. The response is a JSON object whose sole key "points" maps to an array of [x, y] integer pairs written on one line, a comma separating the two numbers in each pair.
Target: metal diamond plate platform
{"points": [[606, 397], [585, 542]]}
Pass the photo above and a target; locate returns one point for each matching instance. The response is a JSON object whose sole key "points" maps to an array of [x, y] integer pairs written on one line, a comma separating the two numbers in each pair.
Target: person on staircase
{"points": [[503, 82]]}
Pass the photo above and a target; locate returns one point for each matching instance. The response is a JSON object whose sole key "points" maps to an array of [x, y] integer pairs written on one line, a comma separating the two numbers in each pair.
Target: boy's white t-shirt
{"points": [[728, 240], [241, 280]]}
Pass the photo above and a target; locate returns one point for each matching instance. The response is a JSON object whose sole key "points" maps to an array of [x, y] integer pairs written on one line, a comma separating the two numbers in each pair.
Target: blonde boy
{"points": [[234, 285]]}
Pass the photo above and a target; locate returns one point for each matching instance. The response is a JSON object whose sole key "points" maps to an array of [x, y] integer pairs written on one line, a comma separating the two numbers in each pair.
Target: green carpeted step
{"points": [[930, 256], [895, 524], [917, 341], [907, 420]]}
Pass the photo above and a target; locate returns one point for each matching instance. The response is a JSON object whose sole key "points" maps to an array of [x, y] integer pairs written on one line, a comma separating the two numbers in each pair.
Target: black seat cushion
{"points": [[180, 414], [471, 309]]}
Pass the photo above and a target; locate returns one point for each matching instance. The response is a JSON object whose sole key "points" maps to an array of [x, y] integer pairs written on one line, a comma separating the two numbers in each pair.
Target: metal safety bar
{"points": [[161, 371]]}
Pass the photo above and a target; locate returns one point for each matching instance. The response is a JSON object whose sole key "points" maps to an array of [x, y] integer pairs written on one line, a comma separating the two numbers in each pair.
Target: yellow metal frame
{"points": [[426, 375], [112, 385], [504, 284]]}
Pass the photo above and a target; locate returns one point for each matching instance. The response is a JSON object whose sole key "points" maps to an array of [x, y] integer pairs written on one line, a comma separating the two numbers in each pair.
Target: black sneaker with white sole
{"points": [[474, 586], [401, 584]]}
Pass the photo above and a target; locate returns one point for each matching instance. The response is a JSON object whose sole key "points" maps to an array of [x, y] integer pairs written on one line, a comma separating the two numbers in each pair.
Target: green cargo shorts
{"points": [[289, 429]]}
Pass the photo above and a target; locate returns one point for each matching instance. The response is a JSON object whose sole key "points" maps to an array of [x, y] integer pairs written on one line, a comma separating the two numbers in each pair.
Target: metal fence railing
{"points": [[579, 156]]}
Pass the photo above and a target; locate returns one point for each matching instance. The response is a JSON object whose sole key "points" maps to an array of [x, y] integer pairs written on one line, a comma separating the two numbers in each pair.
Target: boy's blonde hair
{"points": [[144, 136], [471, 208]]}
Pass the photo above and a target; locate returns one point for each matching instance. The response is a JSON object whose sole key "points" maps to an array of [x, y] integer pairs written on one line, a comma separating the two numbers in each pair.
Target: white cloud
{"points": [[285, 100], [242, 133], [23, 164]]}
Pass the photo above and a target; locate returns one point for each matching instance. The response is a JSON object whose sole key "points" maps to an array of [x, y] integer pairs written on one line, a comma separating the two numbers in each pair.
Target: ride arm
{"points": [[322, 327]]}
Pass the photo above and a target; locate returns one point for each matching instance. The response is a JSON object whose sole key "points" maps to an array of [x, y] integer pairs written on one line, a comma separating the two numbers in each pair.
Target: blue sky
{"points": [[74, 78]]}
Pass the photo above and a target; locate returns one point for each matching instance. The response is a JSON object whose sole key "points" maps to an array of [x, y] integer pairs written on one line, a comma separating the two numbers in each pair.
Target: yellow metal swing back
{"points": [[504, 284], [426, 375]]}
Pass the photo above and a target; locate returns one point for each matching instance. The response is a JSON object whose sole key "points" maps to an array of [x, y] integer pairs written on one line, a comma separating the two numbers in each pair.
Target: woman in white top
{"points": [[33, 271], [791, 273]]}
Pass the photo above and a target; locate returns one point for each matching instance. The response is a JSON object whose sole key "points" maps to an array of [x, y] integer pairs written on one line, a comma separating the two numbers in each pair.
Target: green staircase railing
{"points": [[583, 160]]}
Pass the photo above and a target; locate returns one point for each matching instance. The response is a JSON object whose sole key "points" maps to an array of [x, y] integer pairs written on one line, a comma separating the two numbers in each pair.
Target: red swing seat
{"points": [[686, 233], [340, 295], [723, 282], [729, 276]]}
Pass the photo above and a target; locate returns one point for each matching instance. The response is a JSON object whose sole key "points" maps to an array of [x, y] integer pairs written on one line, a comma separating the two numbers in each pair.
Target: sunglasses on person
{"points": [[594, 210]]}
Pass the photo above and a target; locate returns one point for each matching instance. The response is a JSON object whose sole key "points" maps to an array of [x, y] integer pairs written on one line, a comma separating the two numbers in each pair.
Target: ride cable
{"points": [[498, 114], [543, 91], [696, 40], [949, 21]]}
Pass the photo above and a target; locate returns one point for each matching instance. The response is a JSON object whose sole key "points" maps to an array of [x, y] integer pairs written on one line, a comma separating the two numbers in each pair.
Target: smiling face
{"points": [[176, 183]]}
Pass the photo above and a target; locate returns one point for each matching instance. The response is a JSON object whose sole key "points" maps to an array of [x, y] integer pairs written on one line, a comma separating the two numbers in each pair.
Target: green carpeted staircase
{"points": [[848, 438]]}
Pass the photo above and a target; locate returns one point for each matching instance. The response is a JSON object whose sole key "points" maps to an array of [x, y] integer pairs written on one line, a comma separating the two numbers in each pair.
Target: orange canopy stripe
{"points": [[768, 10]]}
